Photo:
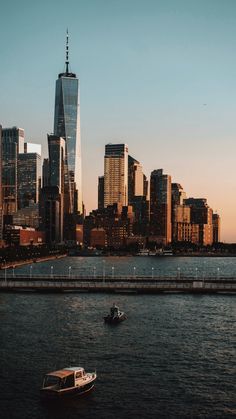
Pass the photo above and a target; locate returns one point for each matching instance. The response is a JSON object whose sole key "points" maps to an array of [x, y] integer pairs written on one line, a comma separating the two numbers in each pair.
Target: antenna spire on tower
{"points": [[67, 52]]}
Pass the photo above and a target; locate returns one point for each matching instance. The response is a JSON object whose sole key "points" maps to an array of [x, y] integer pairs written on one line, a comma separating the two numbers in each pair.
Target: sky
{"points": [[159, 75]]}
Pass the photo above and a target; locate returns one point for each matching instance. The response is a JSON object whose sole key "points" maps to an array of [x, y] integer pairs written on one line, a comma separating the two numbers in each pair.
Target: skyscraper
{"points": [[28, 176], [201, 214], [116, 174], [57, 162], [216, 228], [135, 179], [100, 192], [12, 145], [137, 196], [67, 126], [160, 205]]}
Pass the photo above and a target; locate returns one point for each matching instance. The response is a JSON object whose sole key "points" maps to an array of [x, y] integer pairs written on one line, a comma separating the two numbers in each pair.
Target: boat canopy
{"points": [[61, 373]]}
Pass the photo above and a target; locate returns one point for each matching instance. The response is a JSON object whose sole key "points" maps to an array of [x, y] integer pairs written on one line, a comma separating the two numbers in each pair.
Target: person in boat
{"points": [[114, 310]]}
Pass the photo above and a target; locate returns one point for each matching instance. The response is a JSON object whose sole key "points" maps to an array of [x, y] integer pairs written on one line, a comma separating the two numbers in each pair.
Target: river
{"points": [[174, 356]]}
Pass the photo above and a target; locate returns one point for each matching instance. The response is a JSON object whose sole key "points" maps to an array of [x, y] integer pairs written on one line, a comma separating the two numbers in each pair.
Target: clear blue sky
{"points": [[159, 75]]}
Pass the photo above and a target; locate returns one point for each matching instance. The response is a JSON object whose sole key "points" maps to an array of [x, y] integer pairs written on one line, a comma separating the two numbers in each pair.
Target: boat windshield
{"points": [[51, 380]]}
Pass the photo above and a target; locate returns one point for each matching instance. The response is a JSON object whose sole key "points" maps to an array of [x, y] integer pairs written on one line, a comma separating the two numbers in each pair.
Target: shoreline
{"points": [[16, 264], [19, 263]]}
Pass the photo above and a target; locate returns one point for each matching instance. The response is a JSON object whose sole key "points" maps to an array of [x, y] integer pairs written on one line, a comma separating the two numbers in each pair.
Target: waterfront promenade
{"points": [[120, 284]]}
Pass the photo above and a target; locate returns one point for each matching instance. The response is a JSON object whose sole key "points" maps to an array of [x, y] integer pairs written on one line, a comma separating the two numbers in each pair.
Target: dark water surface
{"points": [[174, 357]]}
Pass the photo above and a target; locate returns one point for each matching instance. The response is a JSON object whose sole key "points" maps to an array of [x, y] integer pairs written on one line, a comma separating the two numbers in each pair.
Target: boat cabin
{"points": [[114, 310], [65, 378]]}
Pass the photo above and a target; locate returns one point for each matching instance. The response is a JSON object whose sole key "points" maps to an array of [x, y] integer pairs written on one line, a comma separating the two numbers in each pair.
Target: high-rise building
{"points": [[116, 174], [100, 192], [177, 194], [28, 178], [135, 179], [12, 145], [138, 196], [201, 214], [67, 126], [46, 174], [51, 214], [58, 174], [180, 215], [55, 192], [216, 228], [160, 206]]}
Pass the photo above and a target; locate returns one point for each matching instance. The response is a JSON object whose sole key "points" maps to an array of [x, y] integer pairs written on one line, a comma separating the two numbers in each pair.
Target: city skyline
{"points": [[167, 93]]}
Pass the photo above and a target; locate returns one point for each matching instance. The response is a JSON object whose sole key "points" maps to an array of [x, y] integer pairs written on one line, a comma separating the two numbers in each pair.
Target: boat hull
{"points": [[66, 393], [115, 320]]}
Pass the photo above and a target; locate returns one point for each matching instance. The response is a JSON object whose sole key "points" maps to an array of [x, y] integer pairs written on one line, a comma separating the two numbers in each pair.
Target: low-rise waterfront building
{"points": [[23, 236]]}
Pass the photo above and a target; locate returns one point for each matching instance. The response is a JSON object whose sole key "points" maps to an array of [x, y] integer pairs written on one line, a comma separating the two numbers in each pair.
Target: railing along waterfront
{"points": [[121, 283]]}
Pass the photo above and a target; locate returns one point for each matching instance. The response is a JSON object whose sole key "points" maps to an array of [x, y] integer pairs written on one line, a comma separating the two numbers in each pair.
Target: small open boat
{"points": [[115, 316], [70, 381]]}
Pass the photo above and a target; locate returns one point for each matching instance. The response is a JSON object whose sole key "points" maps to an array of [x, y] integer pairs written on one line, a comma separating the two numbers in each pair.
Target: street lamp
{"points": [[31, 267], [112, 270], [134, 271], [152, 272], [69, 271], [178, 272], [94, 272], [218, 273], [51, 271], [5, 270], [103, 270], [196, 272], [204, 267]]}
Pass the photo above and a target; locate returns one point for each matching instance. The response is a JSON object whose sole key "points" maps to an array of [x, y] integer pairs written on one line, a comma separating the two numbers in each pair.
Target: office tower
{"points": [[216, 228], [180, 215], [135, 179], [116, 174], [58, 173], [46, 175], [51, 214], [138, 196], [160, 206], [100, 192], [12, 145], [67, 126], [177, 194], [55, 196], [28, 178], [201, 214], [145, 187]]}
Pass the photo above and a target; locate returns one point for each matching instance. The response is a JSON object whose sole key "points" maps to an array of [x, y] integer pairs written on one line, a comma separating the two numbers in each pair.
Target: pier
{"points": [[120, 284]]}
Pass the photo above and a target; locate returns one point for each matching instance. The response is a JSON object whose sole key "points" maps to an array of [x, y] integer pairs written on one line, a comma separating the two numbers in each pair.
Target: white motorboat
{"points": [[70, 381]]}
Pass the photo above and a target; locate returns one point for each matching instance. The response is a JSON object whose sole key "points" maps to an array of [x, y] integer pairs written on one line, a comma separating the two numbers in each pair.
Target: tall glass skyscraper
{"points": [[12, 145], [67, 125]]}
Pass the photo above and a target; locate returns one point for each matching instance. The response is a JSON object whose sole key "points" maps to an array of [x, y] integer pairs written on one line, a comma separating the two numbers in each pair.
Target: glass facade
{"points": [[67, 125], [12, 145], [28, 174], [116, 174]]}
